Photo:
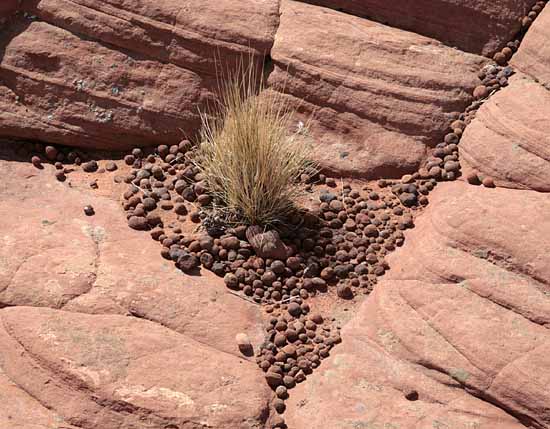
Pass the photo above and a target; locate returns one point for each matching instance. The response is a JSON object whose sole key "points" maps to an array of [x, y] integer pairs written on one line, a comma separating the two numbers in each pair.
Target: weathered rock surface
{"points": [[481, 27], [122, 372], [119, 74], [56, 264], [457, 333], [378, 94], [509, 140], [21, 410], [54, 256], [116, 75], [533, 56]]}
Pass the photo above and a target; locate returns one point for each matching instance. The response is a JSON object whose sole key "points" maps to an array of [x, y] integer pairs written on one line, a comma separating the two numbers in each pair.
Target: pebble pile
{"points": [[505, 54], [340, 243]]}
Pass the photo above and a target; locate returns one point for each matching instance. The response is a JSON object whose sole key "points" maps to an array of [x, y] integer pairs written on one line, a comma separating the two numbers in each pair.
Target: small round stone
{"points": [[180, 209], [473, 178], [110, 166], [89, 210], [344, 291], [273, 379], [36, 161], [129, 159], [500, 58], [408, 199], [90, 166], [294, 309], [316, 318], [195, 216], [149, 204], [60, 175], [488, 182], [138, 222], [243, 342], [51, 153], [279, 405], [480, 92], [281, 392], [231, 281], [230, 243]]}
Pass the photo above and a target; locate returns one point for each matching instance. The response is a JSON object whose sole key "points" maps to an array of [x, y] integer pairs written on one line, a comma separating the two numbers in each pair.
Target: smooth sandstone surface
{"points": [[377, 95], [121, 372], [509, 140], [120, 74], [482, 26], [95, 315], [533, 56], [461, 319]]}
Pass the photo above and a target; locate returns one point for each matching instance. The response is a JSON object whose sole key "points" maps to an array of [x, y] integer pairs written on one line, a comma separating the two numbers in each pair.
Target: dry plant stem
{"points": [[251, 164]]}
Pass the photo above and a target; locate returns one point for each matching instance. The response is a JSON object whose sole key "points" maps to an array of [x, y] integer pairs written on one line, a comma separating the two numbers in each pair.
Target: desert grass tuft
{"points": [[251, 159]]}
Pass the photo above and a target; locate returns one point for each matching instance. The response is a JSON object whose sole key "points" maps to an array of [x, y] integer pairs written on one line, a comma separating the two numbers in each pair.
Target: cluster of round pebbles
{"points": [[503, 56], [65, 160], [444, 164], [340, 243]]}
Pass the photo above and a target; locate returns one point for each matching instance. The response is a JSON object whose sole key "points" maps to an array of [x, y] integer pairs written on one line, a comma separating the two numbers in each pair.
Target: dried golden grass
{"points": [[250, 159]]}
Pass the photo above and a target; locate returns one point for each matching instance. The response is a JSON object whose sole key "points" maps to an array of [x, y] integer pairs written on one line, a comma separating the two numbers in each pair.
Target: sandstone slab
{"points": [[457, 332], [533, 56], [118, 74], [378, 95], [509, 140], [101, 331], [122, 372], [52, 255], [482, 27]]}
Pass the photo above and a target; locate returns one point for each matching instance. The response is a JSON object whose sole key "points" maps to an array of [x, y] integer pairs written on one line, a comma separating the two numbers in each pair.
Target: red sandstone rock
{"points": [[85, 277], [461, 319], [379, 94], [112, 371], [53, 255], [533, 56], [508, 140], [481, 27], [137, 76]]}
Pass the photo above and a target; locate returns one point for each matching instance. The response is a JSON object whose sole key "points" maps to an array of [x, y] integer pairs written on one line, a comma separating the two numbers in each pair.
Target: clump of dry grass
{"points": [[250, 160]]}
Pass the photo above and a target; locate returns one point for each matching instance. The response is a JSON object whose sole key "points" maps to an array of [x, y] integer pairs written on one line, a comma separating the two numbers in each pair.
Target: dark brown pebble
{"points": [[89, 210], [488, 182], [139, 223], [59, 175], [273, 379], [129, 159], [279, 405], [473, 178], [231, 281], [51, 153], [195, 216], [110, 166], [294, 309], [344, 291], [36, 161], [90, 166], [157, 233]]}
